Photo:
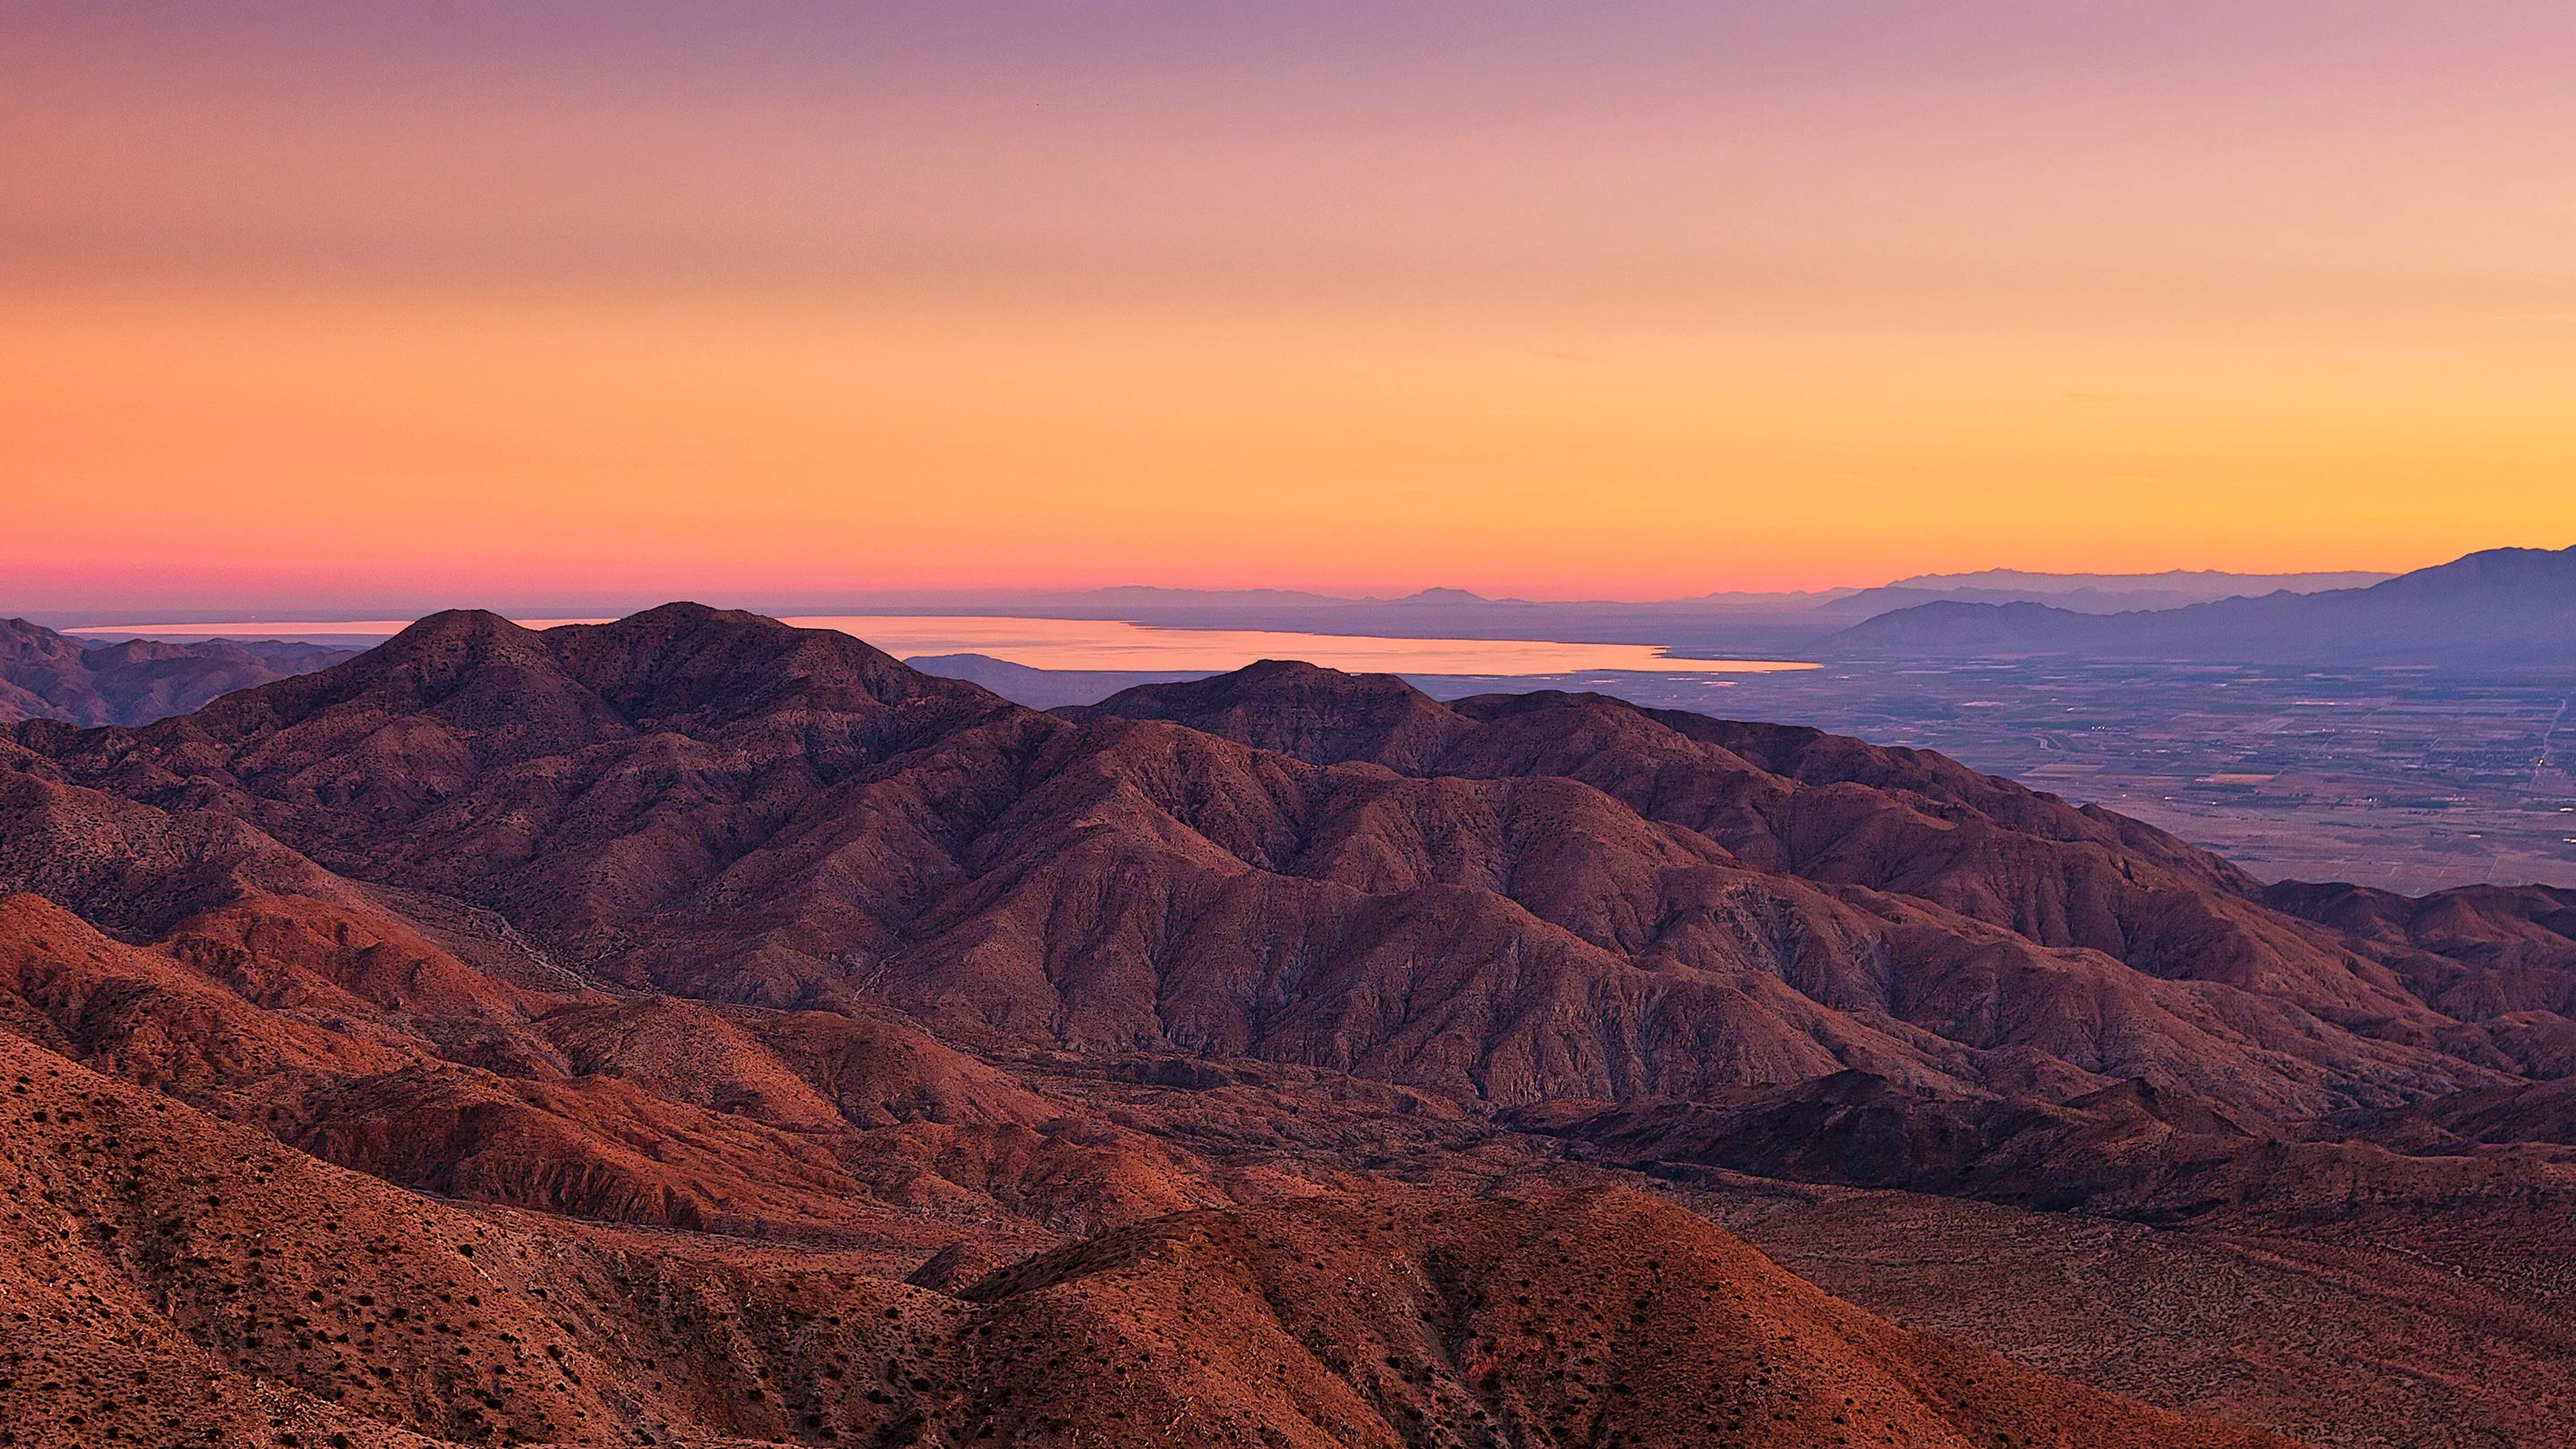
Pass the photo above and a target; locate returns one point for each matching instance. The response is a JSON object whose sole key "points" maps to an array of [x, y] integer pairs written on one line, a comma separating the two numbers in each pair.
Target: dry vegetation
{"points": [[693, 1030]]}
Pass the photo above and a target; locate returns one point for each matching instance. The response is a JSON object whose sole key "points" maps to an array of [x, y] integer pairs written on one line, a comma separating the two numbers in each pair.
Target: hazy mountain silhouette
{"points": [[2085, 593], [2502, 606]]}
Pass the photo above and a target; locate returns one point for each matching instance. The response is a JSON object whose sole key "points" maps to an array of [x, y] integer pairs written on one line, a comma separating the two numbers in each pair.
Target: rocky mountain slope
{"points": [[210, 1278], [724, 965]]}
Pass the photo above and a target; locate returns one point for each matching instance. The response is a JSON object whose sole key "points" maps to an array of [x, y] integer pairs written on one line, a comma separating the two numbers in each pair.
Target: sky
{"points": [[324, 306]]}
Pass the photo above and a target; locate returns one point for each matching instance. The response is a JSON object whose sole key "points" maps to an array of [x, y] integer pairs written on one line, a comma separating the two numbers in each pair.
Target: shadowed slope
{"points": [[1572, 1318]]}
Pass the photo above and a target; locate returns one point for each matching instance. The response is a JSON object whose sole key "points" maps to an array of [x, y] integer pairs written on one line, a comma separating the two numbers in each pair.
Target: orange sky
{"points": [[1636, 300]]}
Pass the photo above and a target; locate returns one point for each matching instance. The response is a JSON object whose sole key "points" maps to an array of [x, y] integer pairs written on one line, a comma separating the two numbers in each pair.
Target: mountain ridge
{"points": [[2498, 604], [46, 675]]}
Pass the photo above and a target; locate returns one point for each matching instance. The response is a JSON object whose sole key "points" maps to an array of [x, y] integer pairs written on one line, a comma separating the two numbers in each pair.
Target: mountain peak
{"points": [[1271, 683], [1296, 708], [442, 647], [730, 663], [454, 628], [1279, 671], [688, 613]]}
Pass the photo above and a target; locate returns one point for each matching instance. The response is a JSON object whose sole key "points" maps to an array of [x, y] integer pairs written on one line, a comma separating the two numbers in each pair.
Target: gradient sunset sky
{"points": [[321, 305]]}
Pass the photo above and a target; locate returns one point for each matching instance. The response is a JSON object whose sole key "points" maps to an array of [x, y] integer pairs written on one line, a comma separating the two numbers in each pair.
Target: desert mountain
{"points": [[2502, 605], [45, 675], [850, 1055], [1503, 899], [213, 1283]]}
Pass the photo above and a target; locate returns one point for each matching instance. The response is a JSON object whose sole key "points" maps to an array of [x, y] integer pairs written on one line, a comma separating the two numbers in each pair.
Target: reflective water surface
{"points": [[1103, 644]]}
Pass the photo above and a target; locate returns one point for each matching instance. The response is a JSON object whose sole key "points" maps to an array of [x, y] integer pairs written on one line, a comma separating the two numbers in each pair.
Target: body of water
{"points": [[1096, 644]]}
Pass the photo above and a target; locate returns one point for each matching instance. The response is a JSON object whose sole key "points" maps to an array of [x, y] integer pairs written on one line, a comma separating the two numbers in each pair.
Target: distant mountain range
{"points": [[2085, 593], [1717, 625], [1146, 603], [2501, 606], [46, 675], [1461, 613]]}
